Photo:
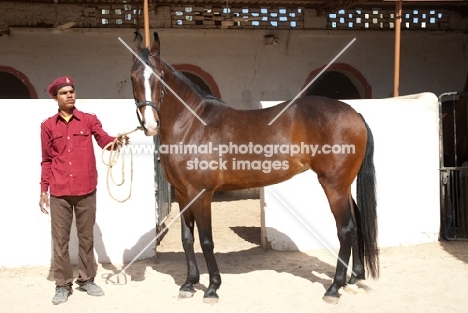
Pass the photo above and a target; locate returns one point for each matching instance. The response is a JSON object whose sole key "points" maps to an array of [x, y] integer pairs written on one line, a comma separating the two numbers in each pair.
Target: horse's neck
{"points": [[180, 108]]}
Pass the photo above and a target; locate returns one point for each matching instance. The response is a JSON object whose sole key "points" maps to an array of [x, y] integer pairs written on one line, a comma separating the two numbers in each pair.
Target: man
{"points": [[68, 172]]}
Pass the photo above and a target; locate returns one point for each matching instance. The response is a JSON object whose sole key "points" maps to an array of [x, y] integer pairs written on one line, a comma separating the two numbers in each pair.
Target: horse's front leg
{"points": [[203, 219], [193, 275]]}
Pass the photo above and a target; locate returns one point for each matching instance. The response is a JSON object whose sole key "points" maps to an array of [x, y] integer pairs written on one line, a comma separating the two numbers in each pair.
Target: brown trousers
{"points": [[61, 210]]}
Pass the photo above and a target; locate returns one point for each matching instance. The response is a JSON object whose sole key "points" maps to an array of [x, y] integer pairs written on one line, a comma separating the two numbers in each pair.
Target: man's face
{"points": [[66, 97]]}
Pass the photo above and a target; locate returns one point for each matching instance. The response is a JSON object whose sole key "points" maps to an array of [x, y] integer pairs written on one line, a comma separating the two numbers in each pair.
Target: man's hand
{"points": [[44, 203], [122, 140]]}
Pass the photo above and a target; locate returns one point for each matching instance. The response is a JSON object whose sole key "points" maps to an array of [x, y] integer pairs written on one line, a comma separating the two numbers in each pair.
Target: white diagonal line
{"points": [[300, 220], [311, 82], [163, 82], [160, 233]]}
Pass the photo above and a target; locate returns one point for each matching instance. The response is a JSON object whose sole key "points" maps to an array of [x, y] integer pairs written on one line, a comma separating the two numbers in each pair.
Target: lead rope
{"points": [[114, 155]]}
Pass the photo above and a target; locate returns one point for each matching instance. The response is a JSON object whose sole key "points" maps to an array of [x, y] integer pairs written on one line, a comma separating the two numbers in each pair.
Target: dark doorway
{"points": [[334, 85], [454, 165], [198, 81], [12, 88]]}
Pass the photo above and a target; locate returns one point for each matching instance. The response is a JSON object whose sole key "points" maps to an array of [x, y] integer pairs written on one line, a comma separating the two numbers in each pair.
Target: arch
{"points": [[200, 74], [344, 73], [16, 77]]}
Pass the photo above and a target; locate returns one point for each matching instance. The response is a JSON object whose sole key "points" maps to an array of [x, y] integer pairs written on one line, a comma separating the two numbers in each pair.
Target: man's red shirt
{"points": [[68, 166]]}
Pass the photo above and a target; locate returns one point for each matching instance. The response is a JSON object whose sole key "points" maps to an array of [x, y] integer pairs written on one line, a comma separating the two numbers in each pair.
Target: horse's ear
{"points": [[137, 42], [155, 47]]}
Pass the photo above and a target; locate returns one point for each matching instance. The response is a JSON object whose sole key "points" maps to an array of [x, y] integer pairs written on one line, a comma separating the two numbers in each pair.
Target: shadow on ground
{"points": [[239, 262], [458, 249]]}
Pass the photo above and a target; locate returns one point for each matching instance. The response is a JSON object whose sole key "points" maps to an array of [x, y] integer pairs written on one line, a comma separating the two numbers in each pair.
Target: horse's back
{"points": [[325, 109], [315, 109], [325, 119]]}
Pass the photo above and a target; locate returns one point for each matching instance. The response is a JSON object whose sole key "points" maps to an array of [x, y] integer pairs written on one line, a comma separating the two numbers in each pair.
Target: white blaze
{"points": [[150, 121]]}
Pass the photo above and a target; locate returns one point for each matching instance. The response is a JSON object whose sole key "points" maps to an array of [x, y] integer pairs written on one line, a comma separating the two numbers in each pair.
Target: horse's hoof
{"points": [[331, 300], [210, 299], [183, 294], [351, 289]]}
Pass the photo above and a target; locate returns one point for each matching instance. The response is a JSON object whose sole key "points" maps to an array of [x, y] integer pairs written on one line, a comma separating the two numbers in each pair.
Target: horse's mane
{"points": [[194, 86], [145, 54]]}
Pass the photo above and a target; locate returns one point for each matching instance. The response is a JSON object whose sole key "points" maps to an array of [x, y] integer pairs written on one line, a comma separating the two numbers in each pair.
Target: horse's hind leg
{"points": [[187, 228], [358, 271], [358, 254], [347, 235]]}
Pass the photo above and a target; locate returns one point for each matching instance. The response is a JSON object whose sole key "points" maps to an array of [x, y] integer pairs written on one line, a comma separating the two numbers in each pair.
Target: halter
{"points": [[151, 103]]}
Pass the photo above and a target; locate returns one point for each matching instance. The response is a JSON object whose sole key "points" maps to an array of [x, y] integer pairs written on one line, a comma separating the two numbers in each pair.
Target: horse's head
{"points": [[148, 89]]}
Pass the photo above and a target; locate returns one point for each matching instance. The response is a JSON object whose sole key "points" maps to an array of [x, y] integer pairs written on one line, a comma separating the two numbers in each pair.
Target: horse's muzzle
{"points": [[151, 131]]}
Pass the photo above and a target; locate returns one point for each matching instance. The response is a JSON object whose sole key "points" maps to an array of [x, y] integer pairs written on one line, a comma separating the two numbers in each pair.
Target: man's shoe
{"points": [[61, 295], [92, 289]]}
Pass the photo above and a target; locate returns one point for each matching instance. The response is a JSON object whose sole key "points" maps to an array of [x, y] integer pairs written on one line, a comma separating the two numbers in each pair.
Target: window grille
{"points": [[118, 15], [385, 19], [241, 17]]}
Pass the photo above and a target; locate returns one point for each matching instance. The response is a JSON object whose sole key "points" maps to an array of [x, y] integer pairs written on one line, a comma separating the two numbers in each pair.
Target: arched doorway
{"points": [[198, 81], [334, 85], [200, 78], [15, 85], [339, 81]]}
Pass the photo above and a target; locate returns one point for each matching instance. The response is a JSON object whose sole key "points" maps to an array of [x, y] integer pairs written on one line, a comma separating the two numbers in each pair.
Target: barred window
{"points": [[236, 17], [117, 14], [385, 19]]}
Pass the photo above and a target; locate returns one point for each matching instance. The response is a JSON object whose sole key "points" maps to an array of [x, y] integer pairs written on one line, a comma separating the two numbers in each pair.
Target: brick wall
{"points": [[127, 15]]}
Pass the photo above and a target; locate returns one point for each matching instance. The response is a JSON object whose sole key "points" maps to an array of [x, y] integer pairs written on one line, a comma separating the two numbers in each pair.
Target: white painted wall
{"points": [[406, 160], [246, 70], [122, 229], [296, 214]]}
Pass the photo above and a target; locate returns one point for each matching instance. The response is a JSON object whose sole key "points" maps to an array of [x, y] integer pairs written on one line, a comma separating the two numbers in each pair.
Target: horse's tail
{"points": [[366, 216]]}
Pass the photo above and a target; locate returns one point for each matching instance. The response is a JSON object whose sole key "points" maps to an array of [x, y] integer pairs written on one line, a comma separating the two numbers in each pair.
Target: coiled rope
{"points": [[114, 155]]}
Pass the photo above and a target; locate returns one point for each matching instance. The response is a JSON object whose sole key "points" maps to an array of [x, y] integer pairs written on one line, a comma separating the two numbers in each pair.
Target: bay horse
{"points": [[171, 106]]}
